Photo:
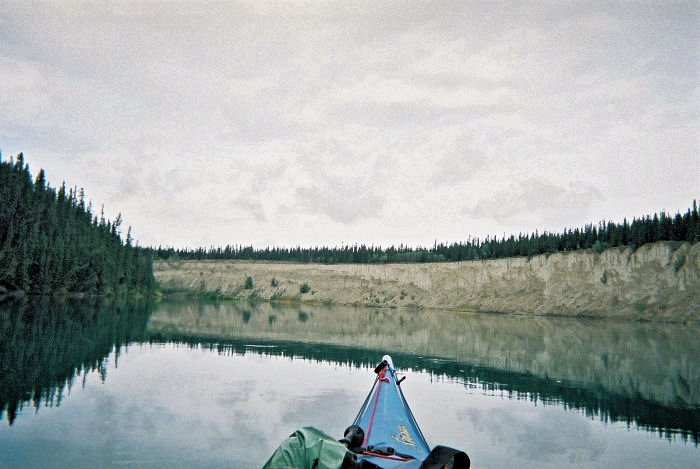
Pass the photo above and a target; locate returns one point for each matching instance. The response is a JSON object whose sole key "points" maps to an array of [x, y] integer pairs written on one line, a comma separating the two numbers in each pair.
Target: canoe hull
{"points": [[392, 437]]}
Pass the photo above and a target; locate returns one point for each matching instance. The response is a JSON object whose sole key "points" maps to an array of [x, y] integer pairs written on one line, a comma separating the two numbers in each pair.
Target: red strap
{"points": [[386, 456], [380, 379]]}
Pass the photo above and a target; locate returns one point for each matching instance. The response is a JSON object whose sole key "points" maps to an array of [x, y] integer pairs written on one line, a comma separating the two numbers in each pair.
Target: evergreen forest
{"points": [[646, 229], [52, 242]]}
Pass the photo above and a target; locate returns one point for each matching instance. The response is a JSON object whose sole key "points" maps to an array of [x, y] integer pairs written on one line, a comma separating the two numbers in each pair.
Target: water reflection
{"points": [[45, 345], [646, 375]]}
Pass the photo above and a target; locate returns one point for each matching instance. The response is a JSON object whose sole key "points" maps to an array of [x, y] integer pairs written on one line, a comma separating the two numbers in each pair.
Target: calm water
{"points": [[206, 385]]}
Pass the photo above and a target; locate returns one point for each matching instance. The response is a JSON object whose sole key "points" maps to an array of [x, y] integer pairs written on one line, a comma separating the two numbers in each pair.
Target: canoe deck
{"points": [[389, 424]]}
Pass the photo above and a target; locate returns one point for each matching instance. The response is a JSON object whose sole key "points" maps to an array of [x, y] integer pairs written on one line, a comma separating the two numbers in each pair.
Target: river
{"points": [[188, 384]]}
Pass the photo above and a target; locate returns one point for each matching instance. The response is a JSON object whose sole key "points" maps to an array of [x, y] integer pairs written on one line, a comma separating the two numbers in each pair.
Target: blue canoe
{"points": [[384, 435], [389, 434]]}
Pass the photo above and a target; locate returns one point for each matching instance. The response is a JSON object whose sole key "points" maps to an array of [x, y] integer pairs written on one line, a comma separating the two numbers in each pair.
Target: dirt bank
{"points": [[657, 282]]}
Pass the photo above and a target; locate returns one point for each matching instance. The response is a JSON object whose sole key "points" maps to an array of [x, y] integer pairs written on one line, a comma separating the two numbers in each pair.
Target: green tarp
{"points": [[308, 448]]}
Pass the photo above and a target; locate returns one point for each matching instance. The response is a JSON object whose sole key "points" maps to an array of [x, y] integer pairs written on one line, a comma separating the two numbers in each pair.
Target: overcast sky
{"points": [[285, 123]]}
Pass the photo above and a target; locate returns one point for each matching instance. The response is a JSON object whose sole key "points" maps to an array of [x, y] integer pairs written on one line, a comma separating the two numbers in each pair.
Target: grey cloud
{"points": [[538, 199], [23, 94], [253, 207], [266, 176], [461, 163], [134, 178], [220, 114], [343, 201], [344, 180]]}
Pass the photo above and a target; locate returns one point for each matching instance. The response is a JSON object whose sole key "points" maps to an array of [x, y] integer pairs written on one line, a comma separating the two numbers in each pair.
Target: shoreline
{"points": [[656, 283]]}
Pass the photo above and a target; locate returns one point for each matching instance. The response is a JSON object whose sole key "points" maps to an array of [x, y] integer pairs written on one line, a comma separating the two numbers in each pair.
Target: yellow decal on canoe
{"points": [[403, 436]]}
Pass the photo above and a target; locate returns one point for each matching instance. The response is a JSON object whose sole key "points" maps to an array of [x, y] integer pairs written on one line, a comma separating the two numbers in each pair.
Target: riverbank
{"points": [[656, 282]]}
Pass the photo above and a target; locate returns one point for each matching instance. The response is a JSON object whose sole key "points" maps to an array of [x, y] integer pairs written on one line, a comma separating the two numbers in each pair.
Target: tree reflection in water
{"points": [[645, 375]]}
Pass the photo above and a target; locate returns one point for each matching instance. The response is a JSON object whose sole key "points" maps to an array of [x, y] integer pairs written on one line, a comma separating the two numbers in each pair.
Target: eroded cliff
{"points": [[656, 282]]}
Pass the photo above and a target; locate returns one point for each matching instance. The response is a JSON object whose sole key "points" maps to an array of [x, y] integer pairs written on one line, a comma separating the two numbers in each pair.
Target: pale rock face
{"points": [[657, 282]]}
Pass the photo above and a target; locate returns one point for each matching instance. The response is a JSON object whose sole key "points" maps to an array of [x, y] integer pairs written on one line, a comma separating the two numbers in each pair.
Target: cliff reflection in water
{"points": [[644, 374], [45, 345]]}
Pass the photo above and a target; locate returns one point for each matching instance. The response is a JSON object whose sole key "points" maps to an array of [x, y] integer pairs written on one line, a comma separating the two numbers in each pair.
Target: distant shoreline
{"points": [[657, 282]]}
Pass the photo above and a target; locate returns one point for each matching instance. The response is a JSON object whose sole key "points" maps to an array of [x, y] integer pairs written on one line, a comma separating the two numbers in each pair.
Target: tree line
{"points": [[646, 229], [52, 242]]}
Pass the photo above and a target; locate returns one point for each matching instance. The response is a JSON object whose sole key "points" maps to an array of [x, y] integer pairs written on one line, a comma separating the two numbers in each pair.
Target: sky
{"points": [[328, 123]]}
